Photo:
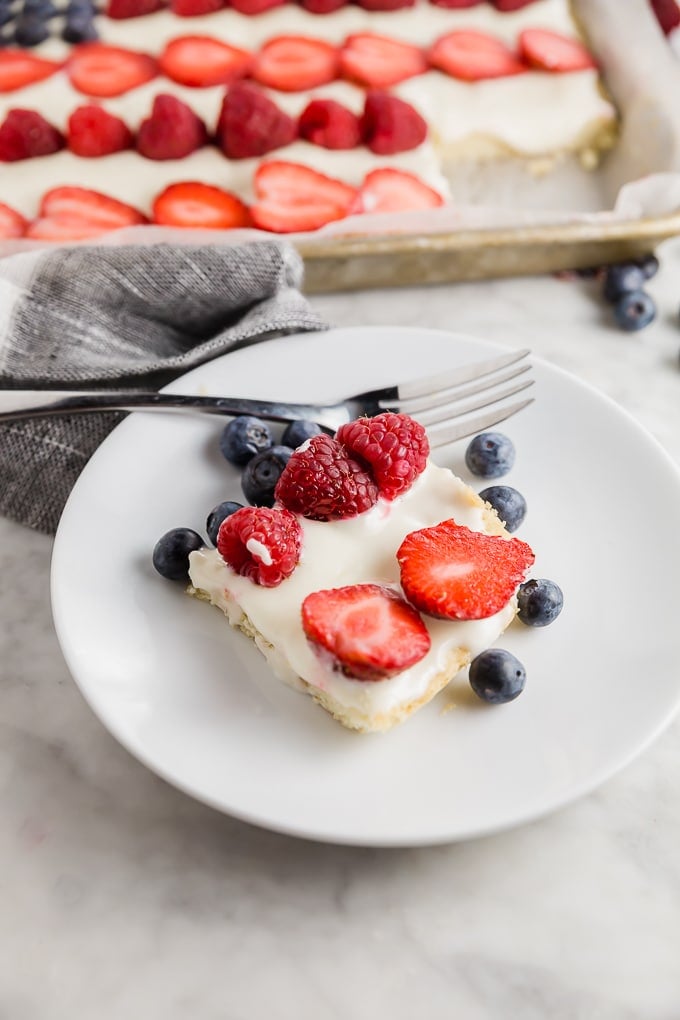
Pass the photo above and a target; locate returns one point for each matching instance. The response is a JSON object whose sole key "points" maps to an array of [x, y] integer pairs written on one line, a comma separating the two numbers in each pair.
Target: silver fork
{"points": [[447, 403]]}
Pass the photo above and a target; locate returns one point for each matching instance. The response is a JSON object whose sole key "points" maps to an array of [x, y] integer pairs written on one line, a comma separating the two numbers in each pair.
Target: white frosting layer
{"points": [[355, 551], [130, 178]]}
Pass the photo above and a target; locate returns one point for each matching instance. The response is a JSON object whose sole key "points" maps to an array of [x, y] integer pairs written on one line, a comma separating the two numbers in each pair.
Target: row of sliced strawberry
{"points": [[297, 63], [122, 9], [249, 124], [290, 198]]}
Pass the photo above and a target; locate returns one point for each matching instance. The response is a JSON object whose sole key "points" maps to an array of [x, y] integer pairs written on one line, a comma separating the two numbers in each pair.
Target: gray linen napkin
{"points": [[128, 316]]}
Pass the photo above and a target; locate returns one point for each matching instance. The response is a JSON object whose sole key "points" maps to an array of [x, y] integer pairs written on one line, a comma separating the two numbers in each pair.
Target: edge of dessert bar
{"points": [[642, 75]]}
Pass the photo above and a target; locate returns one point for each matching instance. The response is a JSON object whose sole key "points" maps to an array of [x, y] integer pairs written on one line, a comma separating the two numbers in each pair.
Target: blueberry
{"points": [[41, 9], [297, 432], [497, 676], [539, 602], [490, 455], [171, 553], [6, 16], [509, 504], [218, 514], [649, 264], [79, 28], [634, 311], [30, 31], [243, 437], [622, 278], [261, 474]]}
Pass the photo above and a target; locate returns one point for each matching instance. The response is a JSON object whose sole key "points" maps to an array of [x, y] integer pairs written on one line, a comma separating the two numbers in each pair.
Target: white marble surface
{"points": [[122, 898]]}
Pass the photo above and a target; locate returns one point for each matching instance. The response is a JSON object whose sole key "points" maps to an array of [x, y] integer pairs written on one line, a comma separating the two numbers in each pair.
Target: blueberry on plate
{"points": [[298, 432], [620, 279], [244, 437], [497, 676], [261, 474], [509, 504], [634, 311], [490, 455], [218, 514], [171, 553], [539, 602]]}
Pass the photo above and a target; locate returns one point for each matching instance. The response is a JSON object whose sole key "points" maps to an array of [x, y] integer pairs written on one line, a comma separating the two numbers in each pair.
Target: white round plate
{"points": [[195, 701]]}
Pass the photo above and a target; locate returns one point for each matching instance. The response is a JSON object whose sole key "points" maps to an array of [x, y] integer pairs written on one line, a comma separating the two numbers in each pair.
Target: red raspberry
{"points": [[92, 131], [251, 124], [330, 124], [25, 133], [321, 482], [394, 446], [261, 544]]}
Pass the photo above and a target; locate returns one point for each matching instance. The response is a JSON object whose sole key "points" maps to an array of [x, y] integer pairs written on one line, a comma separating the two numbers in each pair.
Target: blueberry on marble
{"points": [[539, 602], [261, 474], [649, 264], [171, 553], [497, 676], [30, 30], [243, 437], [622, 278], [634, 311], [298, 432], [509, 504], [490, 455], [218, 514], [79, 28]]}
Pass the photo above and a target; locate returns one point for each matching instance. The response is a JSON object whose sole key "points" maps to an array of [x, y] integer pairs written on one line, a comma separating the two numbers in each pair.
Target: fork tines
{"points": [[449, 400]]}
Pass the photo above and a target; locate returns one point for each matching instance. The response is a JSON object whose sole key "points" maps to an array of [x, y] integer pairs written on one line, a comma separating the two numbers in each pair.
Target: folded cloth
{"points": [[128, 316]]}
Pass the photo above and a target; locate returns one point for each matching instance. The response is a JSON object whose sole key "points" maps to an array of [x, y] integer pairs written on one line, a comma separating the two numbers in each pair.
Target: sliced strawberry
{"points": [[549, 51], [667, 13], [474, 56], [19, 68], [329, 124], [390, 125], [90, 209], [251, 124], [47, 229], [25, 134], [292, 197], [119, 9], [385, 5], [194, 8], [389, 190], [12, 223], [322, 6], [453, 573], [456, 4], [505, 6], [192, 204], [93, 131], [370, 631], [105, 71], [200, 61], [293, 63], [255, 6], [377, 61], [173, 130]]}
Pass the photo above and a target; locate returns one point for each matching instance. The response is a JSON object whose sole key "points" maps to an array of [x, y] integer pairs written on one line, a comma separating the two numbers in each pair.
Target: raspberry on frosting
{"points": [[393, 446], [261, 544], [321, 481]]}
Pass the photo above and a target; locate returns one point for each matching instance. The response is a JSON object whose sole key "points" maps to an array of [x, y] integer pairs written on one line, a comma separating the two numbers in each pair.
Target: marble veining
{"points": [[122, 898]]}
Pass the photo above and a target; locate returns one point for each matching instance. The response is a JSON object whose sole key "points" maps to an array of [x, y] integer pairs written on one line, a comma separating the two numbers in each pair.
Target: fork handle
{"points": [[23, 404]]}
